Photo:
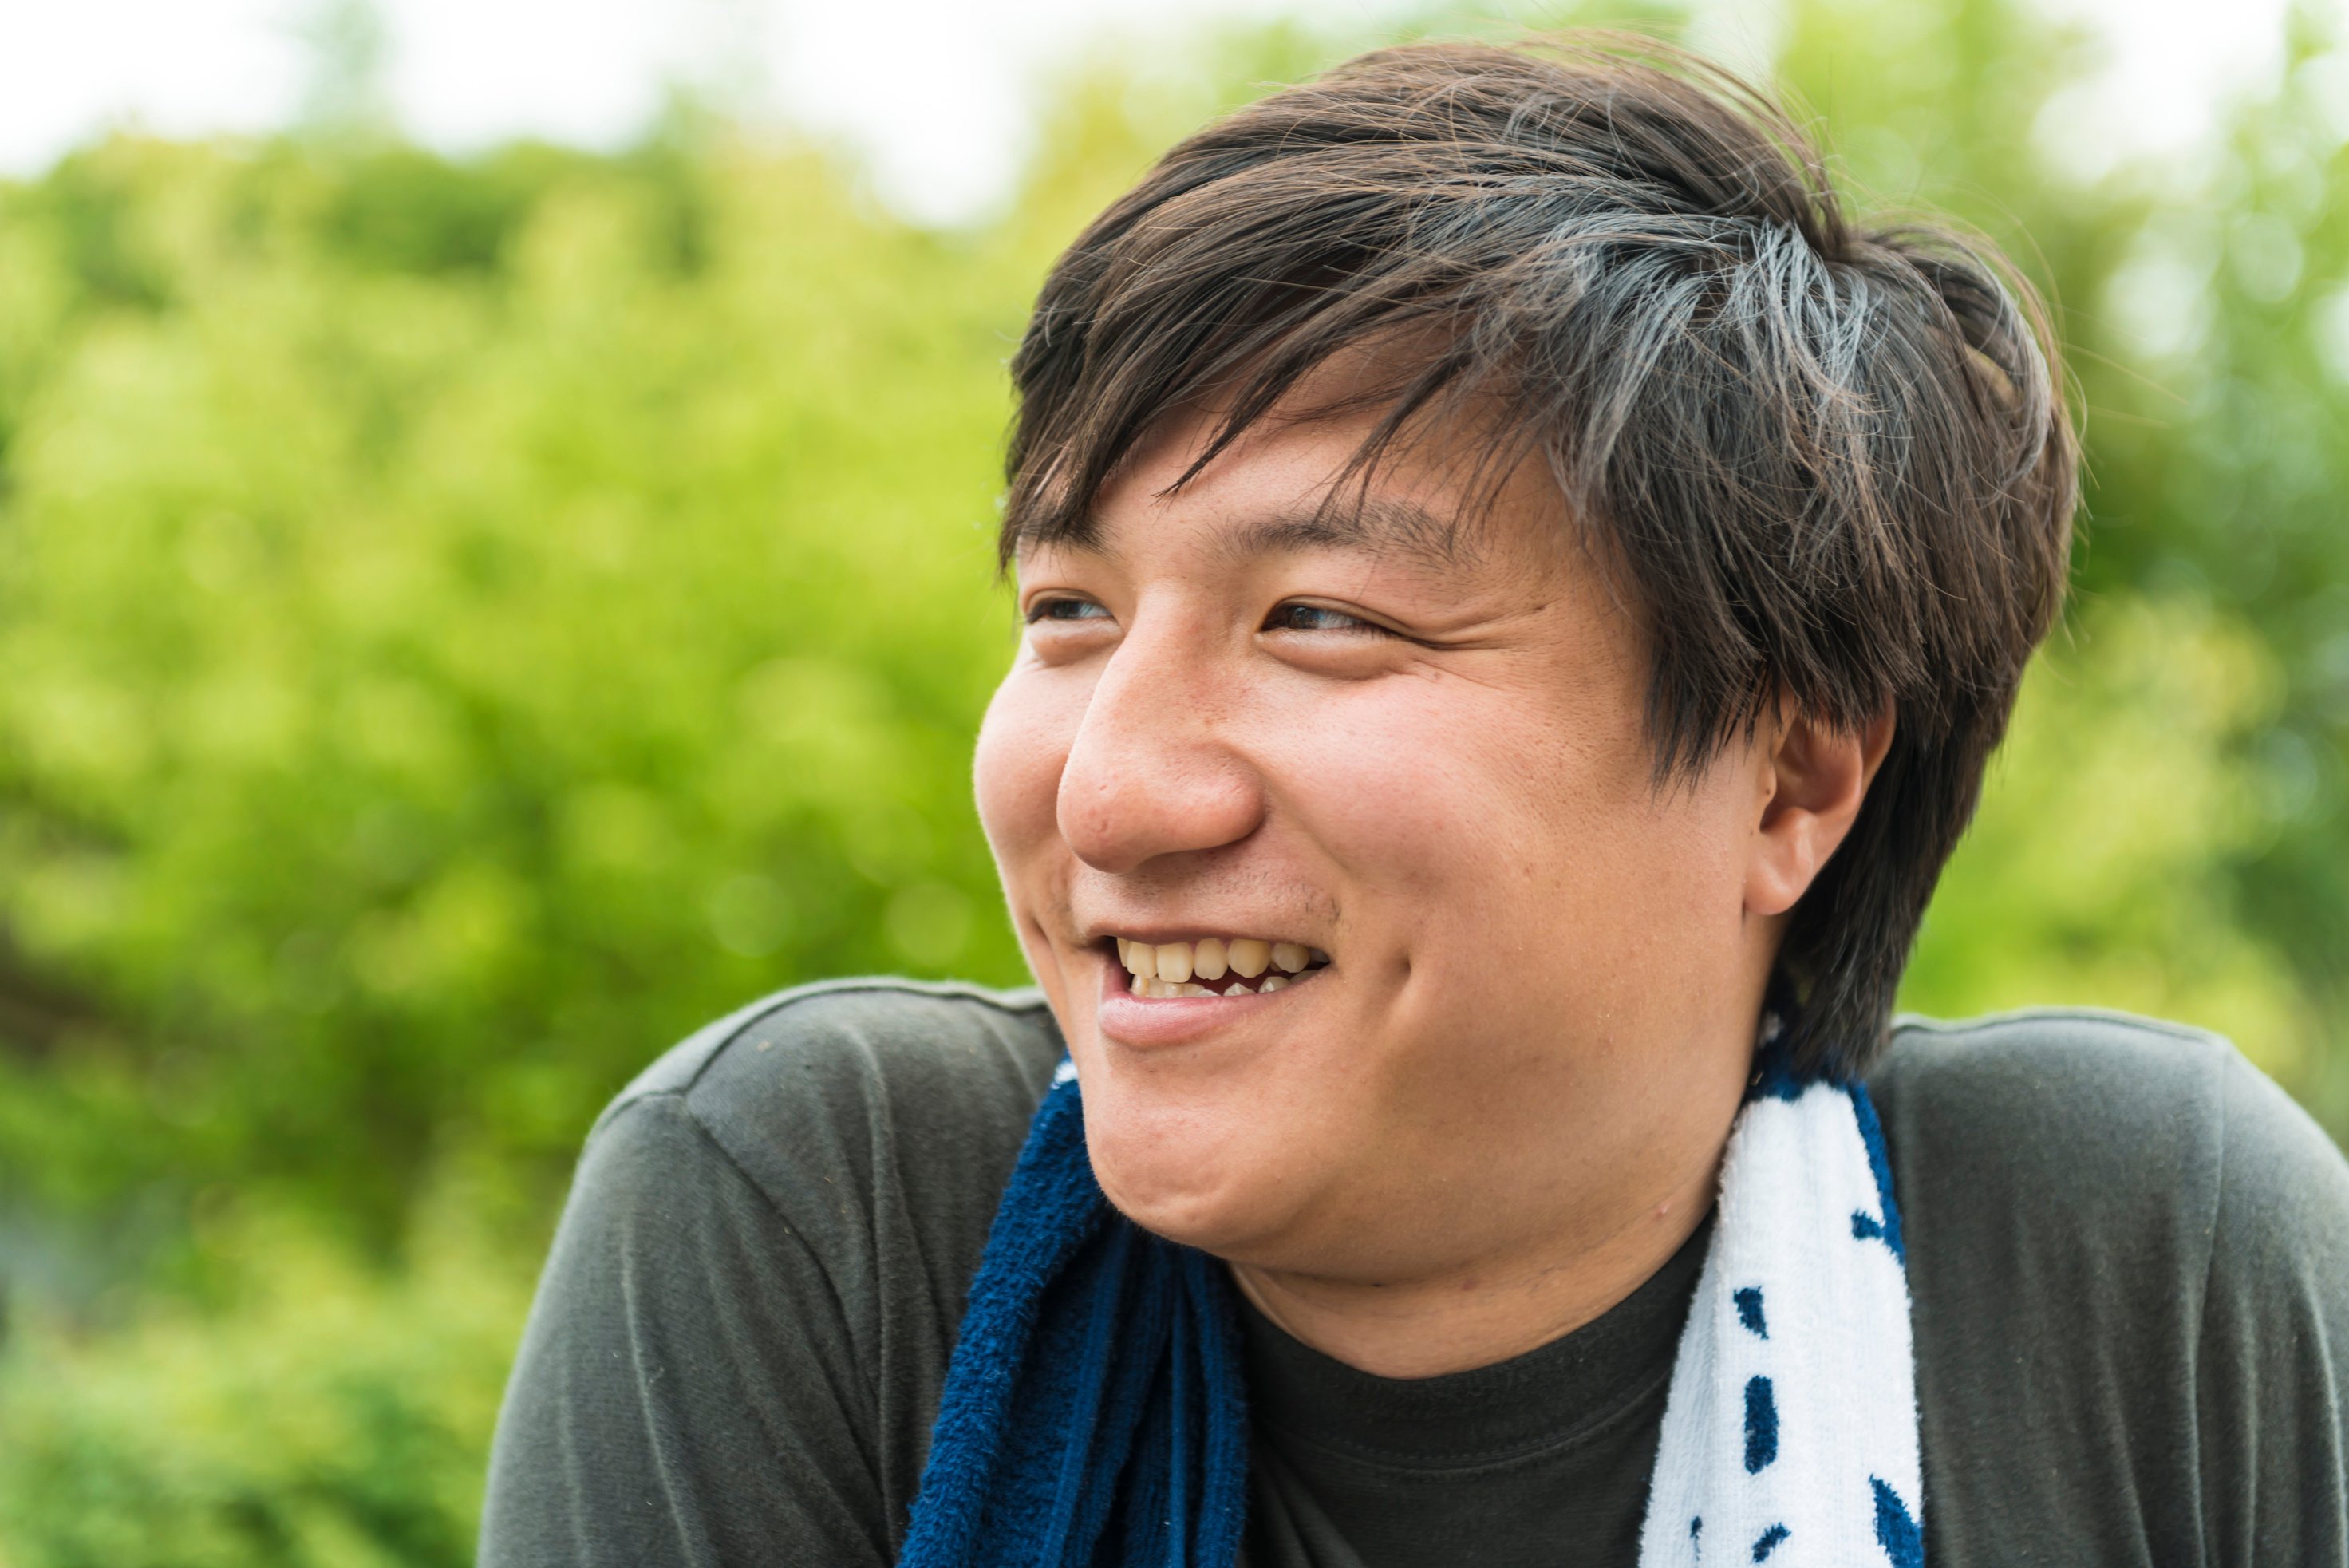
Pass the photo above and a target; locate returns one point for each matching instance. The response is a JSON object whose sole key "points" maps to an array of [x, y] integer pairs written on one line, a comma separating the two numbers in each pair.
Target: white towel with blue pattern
{"points": [[1790, 1433]]}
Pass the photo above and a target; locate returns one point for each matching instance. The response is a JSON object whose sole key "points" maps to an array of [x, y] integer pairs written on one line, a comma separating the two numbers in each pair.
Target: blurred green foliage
{"points": [[464, 623], [329, 1416], [461, 625]]}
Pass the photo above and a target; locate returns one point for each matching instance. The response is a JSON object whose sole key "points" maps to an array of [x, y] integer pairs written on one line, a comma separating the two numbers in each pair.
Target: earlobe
{"points": [[1813, 777]]}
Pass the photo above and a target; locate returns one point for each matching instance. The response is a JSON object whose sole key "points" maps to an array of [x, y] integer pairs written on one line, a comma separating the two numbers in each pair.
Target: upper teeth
{"points": [[1166, 969]]}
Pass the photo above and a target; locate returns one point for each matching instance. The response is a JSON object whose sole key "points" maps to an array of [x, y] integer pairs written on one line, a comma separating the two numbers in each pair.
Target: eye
{"points": [[1064, 609], [1295, 616]]}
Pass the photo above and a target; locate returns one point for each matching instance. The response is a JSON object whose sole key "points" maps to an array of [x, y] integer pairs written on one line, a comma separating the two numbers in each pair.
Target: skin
{"points": [[1413, 741]]}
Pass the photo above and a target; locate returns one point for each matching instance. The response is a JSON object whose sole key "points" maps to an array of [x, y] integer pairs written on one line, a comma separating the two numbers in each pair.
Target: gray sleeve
{"points": [[2129, 1277], [2273, 1375], [686, 1389]]}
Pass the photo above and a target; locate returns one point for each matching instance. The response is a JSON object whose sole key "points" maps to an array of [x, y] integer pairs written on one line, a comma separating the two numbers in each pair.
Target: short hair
{"points": [[1822, 462]]}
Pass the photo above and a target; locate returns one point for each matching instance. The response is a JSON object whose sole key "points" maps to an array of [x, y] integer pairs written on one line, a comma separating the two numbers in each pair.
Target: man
{"points": [[1520, 590]]}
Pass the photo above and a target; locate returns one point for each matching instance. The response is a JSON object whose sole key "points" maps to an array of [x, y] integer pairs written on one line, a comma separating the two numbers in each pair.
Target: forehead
{"points": [[1311, 484]]}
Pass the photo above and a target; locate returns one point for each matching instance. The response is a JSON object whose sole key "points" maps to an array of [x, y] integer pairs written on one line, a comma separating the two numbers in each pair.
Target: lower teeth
{"points": [[1165, 990]]}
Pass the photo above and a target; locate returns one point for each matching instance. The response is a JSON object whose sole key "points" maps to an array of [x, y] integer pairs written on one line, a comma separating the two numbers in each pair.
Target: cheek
{"points": [[1023, 744], [1473, 791], [1512, 841]]}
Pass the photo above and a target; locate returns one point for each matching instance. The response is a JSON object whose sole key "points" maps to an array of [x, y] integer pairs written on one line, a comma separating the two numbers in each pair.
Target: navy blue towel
{"points": [[1093, 1412]]}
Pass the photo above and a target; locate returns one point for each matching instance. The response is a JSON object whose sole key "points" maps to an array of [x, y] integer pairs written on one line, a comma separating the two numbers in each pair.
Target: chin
{"points": [[1217, 1193]]}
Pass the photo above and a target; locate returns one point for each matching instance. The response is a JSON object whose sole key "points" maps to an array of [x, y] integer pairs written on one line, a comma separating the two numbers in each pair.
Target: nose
{"points": [[1148, 774]]}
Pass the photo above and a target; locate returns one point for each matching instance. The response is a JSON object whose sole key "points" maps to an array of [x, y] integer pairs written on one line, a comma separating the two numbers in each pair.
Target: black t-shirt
{"points": [[2128, 1255]]}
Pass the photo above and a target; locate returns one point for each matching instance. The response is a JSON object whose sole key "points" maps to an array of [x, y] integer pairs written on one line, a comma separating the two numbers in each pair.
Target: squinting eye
{"points": [[1065, 609], [1295, 617]]}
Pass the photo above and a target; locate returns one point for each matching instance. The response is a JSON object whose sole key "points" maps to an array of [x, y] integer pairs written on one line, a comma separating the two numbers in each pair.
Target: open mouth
{"points": [[1216, 966]]}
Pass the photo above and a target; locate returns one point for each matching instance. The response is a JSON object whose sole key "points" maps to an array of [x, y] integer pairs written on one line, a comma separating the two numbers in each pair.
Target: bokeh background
{"points": [[474, 605]]}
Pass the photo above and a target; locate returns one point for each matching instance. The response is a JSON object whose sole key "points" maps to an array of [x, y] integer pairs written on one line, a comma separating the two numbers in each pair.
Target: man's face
{"points": [[1411, 743]]}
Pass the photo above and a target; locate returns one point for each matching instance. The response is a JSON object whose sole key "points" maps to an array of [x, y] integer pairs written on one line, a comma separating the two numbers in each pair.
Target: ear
{"points": [[1810, 783]]}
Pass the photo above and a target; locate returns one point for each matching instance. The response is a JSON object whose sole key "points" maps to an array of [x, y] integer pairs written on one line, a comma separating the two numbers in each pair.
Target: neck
{"points": [[1490, 1308]]}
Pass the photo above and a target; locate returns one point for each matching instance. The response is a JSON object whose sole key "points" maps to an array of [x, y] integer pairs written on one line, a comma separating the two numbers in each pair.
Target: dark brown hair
{"points": [[1823, 460]]}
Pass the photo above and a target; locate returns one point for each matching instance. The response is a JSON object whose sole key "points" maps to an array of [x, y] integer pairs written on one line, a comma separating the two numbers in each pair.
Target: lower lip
{"points": [[1131, 1020]]}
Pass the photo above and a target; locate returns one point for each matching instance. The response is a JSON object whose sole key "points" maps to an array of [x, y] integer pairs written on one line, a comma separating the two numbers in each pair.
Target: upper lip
{"points": [[1093, 933]]}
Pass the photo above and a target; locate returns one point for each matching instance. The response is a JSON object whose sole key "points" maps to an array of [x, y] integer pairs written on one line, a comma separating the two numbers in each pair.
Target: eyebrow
{"points": [[1381, 525], [1377, 525]]}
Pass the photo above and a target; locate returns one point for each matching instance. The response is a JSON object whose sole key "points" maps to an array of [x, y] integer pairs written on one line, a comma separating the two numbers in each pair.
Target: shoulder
{"points": [[871, 1027], [765, 1253], [2102, 1115], [2038, 1049], [2039, 1157], [818, 1170], [863, 1085], [2076, 1088], [2128, 1268]]}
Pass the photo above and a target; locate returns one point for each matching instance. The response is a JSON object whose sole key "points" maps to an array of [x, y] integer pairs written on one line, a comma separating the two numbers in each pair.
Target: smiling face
{"points": [[1237, 741]]}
